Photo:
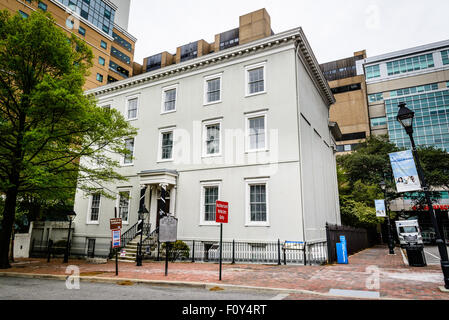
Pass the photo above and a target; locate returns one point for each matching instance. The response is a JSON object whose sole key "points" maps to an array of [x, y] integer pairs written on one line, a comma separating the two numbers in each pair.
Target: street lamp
{"points": [[142, 211], [71, 215], [383, 186], [405, 117]]}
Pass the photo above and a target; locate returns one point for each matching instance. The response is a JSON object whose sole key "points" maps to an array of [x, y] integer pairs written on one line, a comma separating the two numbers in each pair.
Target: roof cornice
{"points": [[295, 35]]}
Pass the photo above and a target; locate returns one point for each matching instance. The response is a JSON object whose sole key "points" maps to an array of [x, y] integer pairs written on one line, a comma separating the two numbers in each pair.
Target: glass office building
{"points": [[431, 123], [96, 12]]}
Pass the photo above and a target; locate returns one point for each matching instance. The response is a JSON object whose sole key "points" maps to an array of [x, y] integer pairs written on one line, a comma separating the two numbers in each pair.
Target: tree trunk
{"points": [[9, 215]]}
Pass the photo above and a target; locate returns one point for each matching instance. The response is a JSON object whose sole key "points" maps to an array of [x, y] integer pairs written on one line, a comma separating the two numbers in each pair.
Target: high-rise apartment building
{"points": [[350, 110], [94, 21], [419, 77]]}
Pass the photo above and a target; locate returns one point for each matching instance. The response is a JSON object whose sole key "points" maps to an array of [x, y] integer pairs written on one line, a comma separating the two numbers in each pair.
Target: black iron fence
{"points": [[356, 239], [50, 249]]}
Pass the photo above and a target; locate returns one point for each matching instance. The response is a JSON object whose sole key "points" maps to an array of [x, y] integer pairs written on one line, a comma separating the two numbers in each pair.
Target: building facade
{"points": [[248, 124], [418, 76], [350, 110], [94, 22]]}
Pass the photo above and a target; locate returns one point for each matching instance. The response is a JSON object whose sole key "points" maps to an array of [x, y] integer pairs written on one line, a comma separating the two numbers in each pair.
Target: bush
{"points": [[178, 251]]}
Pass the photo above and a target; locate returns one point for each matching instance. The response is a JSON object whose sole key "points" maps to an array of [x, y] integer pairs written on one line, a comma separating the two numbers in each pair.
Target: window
{"points": [[256, 132], [445, 57], [414, 90], [410, 64], [118, 69], [375, 97], [166, 145], [120, 55], [257, 202], [23, 14], [210, 193], [377, 122], [348, 88], [373, 72], [99, 77], [169, 95], [82, 31], [94, 209], [128, 46], [132, 107], [101, 61], [255, 79], [212, 138], [128, 158], [103, 44], [42, 6], [123, 205], [212, 89]]}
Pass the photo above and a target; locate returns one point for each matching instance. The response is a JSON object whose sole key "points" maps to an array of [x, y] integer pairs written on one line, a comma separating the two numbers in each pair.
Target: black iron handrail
{"points": [[131, 233]]}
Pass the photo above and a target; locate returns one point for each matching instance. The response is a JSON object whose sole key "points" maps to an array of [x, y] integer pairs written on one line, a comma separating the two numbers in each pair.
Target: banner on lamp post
{"points": [[380, 208], [404, 171]]}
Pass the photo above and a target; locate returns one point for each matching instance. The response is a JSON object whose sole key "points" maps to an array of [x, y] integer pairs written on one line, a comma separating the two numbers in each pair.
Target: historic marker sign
{"points": [[116, 224], [222, 212], [168, 229]]}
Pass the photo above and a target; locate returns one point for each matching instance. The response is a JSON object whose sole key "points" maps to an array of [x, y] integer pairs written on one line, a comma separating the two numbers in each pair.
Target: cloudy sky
{"points": [[335, 29]]}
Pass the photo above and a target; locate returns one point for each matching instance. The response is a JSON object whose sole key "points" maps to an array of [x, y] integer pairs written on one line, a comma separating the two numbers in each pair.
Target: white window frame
{"points": [[252, 67], [206, 80], [204, 185], [118, 203], [248, 117], [122, 162], [128, 99], [161, 132], [248, 184], [89, 209], [164, 90], [205, 125]]}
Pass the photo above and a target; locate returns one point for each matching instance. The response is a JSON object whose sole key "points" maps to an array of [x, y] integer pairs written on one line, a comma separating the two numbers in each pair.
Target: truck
{"points": [[409, 233]]}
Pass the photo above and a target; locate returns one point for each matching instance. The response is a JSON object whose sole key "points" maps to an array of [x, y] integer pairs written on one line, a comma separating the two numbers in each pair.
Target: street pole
{"points": [[390, 236], [439, 238], [66, 255], [166, 257], [221, 247]]}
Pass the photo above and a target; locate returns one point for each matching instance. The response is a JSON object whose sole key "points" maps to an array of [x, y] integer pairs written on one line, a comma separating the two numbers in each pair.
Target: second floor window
{"points": [[255, 77], [124, 205], [94, 207], [256, 133], [169, 96], [212, 89], [167, 145], [128, 158]]}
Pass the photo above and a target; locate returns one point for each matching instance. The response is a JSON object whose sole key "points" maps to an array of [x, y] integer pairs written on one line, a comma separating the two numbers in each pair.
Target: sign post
{"points": [[168, 231], [116, 228], [221, 216]]}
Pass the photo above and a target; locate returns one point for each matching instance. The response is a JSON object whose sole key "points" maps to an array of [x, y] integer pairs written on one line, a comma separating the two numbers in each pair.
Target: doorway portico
{"points": [[153, 181]]}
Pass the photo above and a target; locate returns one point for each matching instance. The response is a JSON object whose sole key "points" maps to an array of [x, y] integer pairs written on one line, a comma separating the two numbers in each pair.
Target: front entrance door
{"points": [[159, 206]]}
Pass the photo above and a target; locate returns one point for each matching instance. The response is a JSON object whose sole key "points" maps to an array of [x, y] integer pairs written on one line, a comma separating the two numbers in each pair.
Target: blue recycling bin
{"points": [[342, 251]]}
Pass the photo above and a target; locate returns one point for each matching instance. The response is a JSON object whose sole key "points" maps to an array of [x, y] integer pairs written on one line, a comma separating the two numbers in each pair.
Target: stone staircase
{"points": [[132, 247], [131, 251]]}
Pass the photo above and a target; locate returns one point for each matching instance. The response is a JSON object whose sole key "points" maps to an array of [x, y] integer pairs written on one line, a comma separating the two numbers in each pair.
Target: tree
{"points": [[47, 124]]}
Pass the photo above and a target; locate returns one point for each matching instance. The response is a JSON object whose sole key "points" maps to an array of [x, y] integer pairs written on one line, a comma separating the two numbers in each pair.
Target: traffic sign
{"points": [[222, 212]]}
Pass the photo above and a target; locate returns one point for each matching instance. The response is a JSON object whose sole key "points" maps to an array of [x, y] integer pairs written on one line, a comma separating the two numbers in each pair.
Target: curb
{"points": [[199, 285]]}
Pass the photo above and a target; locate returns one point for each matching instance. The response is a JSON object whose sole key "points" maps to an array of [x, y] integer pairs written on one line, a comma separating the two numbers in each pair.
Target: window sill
{"points": [[207, 156], [257, 225], [92, 223], [209, 224], [257, 151], [133, 119], [254, 94], [164, 160], [211, 103], [168, 112], [127, 165]]}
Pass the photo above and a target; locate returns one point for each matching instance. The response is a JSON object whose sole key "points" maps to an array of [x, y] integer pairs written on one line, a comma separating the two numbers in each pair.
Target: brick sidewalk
{"points": [[396, 280]]}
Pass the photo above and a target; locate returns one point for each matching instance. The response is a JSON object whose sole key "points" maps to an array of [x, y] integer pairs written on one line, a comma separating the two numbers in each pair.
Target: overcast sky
{"points": [[335, 29]]}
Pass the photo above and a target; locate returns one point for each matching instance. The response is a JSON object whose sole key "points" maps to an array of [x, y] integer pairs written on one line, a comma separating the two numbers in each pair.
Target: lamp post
{"points": [[71, 215], [142, 212], [405, 117], [383, 186]]}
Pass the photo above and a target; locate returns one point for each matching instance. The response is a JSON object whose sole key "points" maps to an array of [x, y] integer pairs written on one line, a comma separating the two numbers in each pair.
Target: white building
{"points": [[248, 125]]}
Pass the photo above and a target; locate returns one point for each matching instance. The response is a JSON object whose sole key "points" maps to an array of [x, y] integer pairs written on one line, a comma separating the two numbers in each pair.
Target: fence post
{"points": [[49, 247], [305, 255], [158, 249], [329, 245], [279, 252], [193, 252], [233, 252], [285, 257]]}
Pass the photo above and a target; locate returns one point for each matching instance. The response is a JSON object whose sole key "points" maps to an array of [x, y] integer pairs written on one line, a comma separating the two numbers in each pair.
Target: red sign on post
{"points": [[221, 212]]}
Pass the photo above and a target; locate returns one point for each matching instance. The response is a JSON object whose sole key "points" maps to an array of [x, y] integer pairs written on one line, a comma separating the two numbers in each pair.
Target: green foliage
{"points": [[178, 251], [358, 214]]}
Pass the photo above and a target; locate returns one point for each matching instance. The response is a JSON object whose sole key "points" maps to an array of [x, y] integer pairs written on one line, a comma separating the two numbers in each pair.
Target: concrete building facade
{"points": [[350, 110], [93, 22], [248, 124]]}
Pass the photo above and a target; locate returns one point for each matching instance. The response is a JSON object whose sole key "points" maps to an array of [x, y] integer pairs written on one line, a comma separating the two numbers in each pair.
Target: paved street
{"points": [[39, 289], [432, 255], [370, 274]]}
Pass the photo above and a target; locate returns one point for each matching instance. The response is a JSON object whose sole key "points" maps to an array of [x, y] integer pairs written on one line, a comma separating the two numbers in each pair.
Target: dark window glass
{"points": [[353, 136], [229, 39], [189, 51], [347, 88], [82, 31], [42, 6], [103, 44], [154, 62], [120, 55], [122, 42], [120, 70]]}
